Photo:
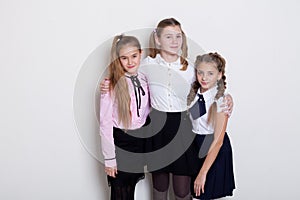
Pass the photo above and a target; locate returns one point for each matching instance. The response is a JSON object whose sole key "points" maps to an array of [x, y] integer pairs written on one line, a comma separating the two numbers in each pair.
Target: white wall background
{"points": [[43, 45]]}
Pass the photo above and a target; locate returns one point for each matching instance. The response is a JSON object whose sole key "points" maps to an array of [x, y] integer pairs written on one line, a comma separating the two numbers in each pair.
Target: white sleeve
{"points": [[219, 103]]}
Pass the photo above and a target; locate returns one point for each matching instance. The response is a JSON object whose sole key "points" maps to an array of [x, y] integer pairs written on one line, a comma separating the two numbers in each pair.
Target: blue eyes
{"points": [[202, 73]]}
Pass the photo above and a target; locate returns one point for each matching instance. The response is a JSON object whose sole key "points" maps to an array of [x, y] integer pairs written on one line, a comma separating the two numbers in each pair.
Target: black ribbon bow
{"points": [[137, 91]]}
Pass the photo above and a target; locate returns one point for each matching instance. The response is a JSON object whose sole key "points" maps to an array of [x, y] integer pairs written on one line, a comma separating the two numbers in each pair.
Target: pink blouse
{"points": [[109, 117]]}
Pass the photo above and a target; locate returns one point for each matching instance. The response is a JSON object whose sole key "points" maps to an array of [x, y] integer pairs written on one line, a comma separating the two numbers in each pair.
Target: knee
{"points": [[182, 191]]}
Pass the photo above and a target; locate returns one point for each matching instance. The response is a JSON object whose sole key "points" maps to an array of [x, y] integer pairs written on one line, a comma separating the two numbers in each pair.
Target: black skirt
{"points": [[171, 148], [220, 177], [130, 147]]}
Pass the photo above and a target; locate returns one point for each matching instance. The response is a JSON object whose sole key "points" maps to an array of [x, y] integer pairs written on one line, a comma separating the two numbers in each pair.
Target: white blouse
{"points": [[169, 86], [200, 125]]}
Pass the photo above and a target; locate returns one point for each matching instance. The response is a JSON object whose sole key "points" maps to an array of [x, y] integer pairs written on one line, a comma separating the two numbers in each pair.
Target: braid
{"points": [[221, 84], [193, 91], [221, 88]]}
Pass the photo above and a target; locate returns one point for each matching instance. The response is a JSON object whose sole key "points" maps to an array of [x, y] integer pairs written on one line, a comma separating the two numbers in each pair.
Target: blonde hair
{"points": [[154, 50], [219, 62], [118, 82]]}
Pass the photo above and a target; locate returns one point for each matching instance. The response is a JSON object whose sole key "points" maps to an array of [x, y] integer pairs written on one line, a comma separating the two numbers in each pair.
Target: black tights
{"points": [[181, 184], [125, 192]]}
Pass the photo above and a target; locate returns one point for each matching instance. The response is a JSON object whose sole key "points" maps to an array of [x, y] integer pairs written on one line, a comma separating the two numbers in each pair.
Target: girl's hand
{"points": [[104, 86], [111, 171], [228, 104], [199, 184]]}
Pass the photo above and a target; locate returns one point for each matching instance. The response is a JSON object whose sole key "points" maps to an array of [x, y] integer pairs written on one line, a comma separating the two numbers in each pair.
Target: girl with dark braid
{"points": [[215, 178]]}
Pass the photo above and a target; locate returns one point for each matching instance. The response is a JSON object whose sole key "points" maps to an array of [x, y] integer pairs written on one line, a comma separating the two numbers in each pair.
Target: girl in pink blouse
{"points": [[123, 112]]}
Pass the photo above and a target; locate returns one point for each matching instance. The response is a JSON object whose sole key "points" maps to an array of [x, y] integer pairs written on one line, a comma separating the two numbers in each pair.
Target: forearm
{"points": [[220, 128], [106, 131], [108, 150], [211, 156]]}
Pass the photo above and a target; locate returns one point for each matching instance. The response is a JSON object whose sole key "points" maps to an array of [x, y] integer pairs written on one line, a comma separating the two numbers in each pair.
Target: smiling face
{"points": [[130, 58], [207, 75], [170, 39]]}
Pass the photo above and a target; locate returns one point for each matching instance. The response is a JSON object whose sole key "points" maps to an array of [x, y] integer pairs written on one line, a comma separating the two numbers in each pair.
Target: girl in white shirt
{"points": [[215, 177], [170, 76], [171, 149]]}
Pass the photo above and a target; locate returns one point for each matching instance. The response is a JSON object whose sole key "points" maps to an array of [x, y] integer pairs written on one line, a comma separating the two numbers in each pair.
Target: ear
{"points": [[219, 76], [156, 39]]}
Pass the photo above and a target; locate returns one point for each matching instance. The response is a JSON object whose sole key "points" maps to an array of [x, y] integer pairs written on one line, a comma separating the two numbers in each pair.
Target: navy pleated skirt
{"points": [[220, 177]]}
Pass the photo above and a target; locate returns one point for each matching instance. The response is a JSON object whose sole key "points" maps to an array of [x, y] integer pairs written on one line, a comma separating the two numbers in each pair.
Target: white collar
{"points": [[211, 93], [162, 61]]}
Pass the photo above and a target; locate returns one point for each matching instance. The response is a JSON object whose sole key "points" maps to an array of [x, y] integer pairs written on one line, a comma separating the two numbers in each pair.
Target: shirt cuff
{"points": [[110, 163]]}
